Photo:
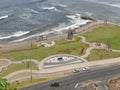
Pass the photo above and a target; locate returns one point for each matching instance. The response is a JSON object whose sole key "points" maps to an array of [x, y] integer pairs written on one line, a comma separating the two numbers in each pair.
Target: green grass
{"points": [[106, 34], [27, 83], [102, 54], [17, 67], [39, 53]]}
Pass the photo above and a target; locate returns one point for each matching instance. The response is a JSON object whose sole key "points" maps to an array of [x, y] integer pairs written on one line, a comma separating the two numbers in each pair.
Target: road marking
{"points": [[76, 85], [105, 86]]}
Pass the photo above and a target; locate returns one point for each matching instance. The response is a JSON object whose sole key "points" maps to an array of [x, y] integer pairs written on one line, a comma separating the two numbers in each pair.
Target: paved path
{"points": [[92, 46], [84, 40], [115, 50], [26, 60], [88, 51]]}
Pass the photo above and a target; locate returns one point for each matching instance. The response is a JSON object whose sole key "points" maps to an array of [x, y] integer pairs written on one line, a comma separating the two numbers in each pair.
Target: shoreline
{"points": [[53, 37]]}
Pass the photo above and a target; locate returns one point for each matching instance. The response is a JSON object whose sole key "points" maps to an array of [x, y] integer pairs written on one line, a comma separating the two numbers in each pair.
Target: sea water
{"points": [[25, 19]]}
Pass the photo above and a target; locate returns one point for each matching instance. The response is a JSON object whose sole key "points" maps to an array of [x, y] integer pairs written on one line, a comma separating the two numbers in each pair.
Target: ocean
{"points": [[25, 19]]}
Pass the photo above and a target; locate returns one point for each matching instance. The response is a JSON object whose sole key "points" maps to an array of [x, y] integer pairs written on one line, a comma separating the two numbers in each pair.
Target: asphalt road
{"points": [[69, 83]]}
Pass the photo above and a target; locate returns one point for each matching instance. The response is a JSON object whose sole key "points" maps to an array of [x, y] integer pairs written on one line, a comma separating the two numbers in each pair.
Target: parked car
{"points": [[55, 84]]}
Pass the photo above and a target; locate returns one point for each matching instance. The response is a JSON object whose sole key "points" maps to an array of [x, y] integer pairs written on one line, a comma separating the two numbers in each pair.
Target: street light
{"points": [[30, 70]]}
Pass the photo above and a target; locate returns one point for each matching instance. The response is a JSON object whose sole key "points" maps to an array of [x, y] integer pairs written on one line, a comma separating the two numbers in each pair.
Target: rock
{"points": [[38, 45], [87, 18], [47, 45], [53, 43]]}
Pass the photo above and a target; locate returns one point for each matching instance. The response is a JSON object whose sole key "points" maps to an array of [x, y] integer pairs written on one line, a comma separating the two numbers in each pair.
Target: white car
{"points": [[85, 68], [76, 70]]}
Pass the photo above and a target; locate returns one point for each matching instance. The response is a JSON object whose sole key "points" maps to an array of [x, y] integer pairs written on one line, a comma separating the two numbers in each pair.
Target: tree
{"points": [[5, 85]]}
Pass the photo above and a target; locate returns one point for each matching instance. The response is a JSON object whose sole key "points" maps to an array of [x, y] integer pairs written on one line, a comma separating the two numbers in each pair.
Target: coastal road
{"points": [[70, 82]]}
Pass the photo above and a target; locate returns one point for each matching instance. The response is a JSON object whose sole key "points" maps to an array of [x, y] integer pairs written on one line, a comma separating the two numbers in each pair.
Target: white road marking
{"points": [[76, 85]]}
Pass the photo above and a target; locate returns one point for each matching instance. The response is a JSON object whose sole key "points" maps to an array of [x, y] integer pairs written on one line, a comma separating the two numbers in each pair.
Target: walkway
{"points": [[93, 45]]}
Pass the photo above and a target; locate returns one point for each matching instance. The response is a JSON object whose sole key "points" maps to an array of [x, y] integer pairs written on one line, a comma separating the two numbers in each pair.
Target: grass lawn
{"points": [[62, 47], [17, 67], [107, 34], [102, 54], [34, 81]]}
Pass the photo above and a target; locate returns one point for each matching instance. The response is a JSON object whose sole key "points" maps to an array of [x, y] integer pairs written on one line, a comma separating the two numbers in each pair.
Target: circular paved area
{"points": [[62, 59]]}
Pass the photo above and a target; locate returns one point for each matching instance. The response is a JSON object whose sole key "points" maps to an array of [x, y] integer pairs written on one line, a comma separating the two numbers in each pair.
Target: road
{"points": [[69, 83]]}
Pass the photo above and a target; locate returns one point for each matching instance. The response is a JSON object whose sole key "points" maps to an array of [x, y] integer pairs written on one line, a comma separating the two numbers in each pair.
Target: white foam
{"points": [[115, 5], [88, 13], [110, 4], [32, 36], [71, 16], [3, 17], [49, 8], [61, 5], [73, 26], [16, 34], [32, 10], [20, 33], [76, 22], [105, 3]]}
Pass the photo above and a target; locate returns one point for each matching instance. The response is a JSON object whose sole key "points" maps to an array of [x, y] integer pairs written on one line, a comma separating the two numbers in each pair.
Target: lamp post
{"points": [[109, 45], [30, 70]]}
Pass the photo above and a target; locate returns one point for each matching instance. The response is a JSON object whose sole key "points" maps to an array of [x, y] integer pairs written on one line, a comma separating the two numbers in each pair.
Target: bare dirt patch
{"points": [[3, 63], [115, 84]]}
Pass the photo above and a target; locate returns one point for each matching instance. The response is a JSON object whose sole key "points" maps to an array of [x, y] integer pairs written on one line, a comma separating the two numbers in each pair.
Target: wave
{"points": [[88, 13], [16, 34], [32, 36], [115, 5], [73, 26], [49, 8], [76, 22], [61, 5], [32, 10], [105, 3], [110, 4], [4, 17]]}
